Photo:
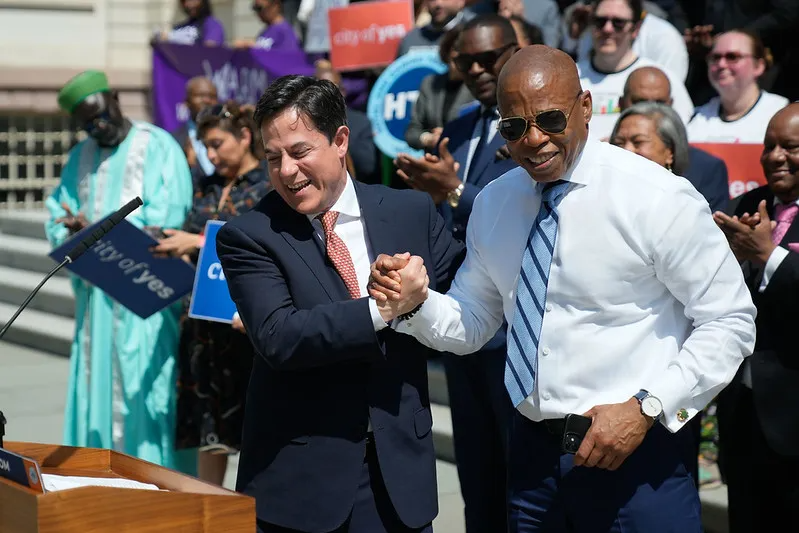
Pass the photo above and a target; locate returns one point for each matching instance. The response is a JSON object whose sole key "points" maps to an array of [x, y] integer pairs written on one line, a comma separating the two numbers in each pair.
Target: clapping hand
{"points": [[436, 175], [177, 243], [750, 235], [398, 284], [74, 223]]}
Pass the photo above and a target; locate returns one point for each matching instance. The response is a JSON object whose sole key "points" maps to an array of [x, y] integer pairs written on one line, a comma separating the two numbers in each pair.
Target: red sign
{"points": [[743, 164], [367, 34]]}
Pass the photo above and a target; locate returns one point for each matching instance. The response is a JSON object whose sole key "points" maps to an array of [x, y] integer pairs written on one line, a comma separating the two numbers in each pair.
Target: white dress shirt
{"points": [[352, 230], [643, 292]]}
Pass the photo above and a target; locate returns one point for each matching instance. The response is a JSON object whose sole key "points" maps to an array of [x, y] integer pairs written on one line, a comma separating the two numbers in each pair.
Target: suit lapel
{"points": [[300, 235], [381, 227], [489, 154]]}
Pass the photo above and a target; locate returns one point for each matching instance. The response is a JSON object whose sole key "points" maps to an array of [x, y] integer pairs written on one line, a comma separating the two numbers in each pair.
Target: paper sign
{"points": [[743, 164], [121, 265], [21, 470], [367, 34], [210, 299], [392, 99]]}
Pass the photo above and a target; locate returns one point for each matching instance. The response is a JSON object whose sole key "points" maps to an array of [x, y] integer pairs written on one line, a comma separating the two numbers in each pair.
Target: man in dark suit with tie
{"points": [[468, 159], [706, 172], [337, 432], [758, 412]]}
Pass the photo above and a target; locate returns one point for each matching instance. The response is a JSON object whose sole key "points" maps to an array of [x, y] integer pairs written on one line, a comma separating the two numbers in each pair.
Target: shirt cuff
{"points": [[377, 319], [678, 405], [424, 318], [774, 261]]}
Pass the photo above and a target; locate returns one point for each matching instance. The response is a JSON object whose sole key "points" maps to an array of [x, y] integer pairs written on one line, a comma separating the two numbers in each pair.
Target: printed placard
{"points": [[210, 299]]}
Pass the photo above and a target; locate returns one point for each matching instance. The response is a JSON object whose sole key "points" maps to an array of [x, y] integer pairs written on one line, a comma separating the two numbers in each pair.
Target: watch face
{"points": [[651, 407]]}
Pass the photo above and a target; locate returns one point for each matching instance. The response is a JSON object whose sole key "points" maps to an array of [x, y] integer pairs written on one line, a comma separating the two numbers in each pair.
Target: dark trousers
{"points": [[651, 492], [762, 485], [481, 412], [372, 511]]}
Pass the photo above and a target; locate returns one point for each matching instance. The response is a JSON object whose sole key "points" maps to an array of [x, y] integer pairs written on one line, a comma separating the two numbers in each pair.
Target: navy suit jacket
{"points": [[484, 171], [363, 151], [322, 372], [708, 174]]}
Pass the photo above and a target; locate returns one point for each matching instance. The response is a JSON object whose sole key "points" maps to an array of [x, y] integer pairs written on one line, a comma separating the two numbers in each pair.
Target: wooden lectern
{"points": [[186, 505]]}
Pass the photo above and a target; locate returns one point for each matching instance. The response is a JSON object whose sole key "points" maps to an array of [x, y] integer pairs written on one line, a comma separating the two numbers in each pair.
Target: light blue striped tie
{"points": [[521, 365]]}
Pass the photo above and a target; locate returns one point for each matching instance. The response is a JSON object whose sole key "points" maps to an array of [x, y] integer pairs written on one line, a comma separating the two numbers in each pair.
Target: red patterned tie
{"points": [[338, 253]]}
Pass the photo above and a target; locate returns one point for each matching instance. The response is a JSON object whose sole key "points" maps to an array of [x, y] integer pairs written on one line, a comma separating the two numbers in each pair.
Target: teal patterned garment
{"points": [[121, 392]]}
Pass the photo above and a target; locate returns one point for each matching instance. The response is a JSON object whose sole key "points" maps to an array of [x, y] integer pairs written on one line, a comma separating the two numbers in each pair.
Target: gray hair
{"points": [[669, 128]]}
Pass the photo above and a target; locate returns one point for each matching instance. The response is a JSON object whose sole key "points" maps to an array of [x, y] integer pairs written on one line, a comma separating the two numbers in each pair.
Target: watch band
{"points": [[454, 196]]}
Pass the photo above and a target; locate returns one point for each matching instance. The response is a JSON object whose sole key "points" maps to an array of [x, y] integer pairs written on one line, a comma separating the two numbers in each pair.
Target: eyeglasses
{"points": [[729, 57], [464, 62], [257, 8], [618, 23], [99, 121], [218, 111], [551, 121]]}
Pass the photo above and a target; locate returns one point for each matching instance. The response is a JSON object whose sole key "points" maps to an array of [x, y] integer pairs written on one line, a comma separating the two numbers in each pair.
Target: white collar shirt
{"points": [[643, 291]]}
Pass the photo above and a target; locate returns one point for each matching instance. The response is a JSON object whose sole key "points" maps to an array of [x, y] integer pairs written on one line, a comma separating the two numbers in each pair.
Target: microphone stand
{"points": [[76, 252]]}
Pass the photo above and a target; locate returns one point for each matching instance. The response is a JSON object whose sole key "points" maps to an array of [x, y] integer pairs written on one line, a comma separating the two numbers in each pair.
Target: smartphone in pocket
{"points": [[574, 430]]}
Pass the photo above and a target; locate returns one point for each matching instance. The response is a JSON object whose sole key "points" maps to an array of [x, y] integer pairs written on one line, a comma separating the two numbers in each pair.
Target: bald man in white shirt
{"points": [[625, 302]]}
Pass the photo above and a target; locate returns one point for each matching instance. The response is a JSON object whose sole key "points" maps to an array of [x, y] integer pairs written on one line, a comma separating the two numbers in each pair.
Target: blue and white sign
{"points": [[22, 470], [122, 266], [392, 99], [211, 299]]}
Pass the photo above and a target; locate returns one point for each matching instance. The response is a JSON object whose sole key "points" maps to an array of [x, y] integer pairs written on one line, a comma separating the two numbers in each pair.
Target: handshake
{"points": [[398, 284]]}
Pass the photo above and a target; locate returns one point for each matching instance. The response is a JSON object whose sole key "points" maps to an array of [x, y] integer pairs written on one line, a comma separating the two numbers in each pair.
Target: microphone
{"points": [[87, 242]]}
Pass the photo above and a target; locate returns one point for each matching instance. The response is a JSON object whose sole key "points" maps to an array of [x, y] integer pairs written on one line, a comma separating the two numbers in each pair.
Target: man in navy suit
{"points": [[468, 159], [337, 432], [706, 172]]}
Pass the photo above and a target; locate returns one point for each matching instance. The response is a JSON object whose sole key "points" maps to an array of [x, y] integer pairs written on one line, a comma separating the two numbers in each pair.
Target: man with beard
{"points": [[122, 373], [200, 93], [758, 429]]}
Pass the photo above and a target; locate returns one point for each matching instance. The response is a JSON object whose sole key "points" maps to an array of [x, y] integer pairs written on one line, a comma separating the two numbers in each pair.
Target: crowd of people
{"points": [[602, 270]]}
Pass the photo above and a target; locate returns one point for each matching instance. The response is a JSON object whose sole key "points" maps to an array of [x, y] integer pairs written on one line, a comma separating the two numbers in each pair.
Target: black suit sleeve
{"points": [[287, 337], [782, 293], [783, 15], [363, 151], [447, 252], [718, 187]]}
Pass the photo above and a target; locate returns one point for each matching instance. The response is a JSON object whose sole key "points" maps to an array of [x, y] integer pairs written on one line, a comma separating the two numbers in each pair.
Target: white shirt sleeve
{"points": [[377, 320], [469, 315], [693, 260], [774, 261]]}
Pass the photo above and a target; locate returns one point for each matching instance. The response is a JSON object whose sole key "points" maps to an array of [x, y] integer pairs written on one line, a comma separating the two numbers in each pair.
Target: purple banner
{"points": [[240, 75]]}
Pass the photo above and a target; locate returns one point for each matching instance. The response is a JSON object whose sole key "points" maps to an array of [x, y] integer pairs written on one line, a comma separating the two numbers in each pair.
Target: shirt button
{"points": [[545, 351], [546, 396], [549, 308]]}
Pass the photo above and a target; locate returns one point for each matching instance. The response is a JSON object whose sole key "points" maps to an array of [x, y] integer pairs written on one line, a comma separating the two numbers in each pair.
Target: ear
{"points": [[670, 101], [342, 141], [637, 28], [245, 135], [670, 158], [760, 67], [587, 106]]}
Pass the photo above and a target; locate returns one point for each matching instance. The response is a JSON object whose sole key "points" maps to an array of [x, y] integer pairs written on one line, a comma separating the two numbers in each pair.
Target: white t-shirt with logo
{"points": [[707, 126], [607, 89]]}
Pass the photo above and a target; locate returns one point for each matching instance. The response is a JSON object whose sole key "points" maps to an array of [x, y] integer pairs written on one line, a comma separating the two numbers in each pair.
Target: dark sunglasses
{"points": [[464, 62], [729, 57], [550, 121], [618, 23], [99, 121], [218, 111]]}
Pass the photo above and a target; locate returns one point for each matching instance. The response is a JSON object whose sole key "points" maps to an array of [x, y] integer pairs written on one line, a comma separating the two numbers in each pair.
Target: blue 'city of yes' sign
{"points": [[392, 99], [211, 299]]}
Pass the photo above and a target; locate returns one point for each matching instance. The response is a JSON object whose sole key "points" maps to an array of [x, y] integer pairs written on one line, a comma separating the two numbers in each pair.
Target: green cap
{"points": [[81, 87]]}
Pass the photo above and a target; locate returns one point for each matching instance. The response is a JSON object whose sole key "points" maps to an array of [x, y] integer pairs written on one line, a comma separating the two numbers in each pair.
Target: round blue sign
{"points": [[393, 96]]}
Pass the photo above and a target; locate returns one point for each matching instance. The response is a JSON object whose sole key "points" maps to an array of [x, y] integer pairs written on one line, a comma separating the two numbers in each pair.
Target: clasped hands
{"points": [[398, 284]]}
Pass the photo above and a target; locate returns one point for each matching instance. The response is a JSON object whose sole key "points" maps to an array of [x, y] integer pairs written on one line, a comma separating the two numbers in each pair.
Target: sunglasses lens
{"points": [[512, 128], [552, 121]]}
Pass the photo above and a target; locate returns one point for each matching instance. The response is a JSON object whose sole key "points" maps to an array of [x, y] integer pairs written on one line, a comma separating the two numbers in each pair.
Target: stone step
{"points": [[24, 223], [27, 254], [54, 297], [36, 329]]}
